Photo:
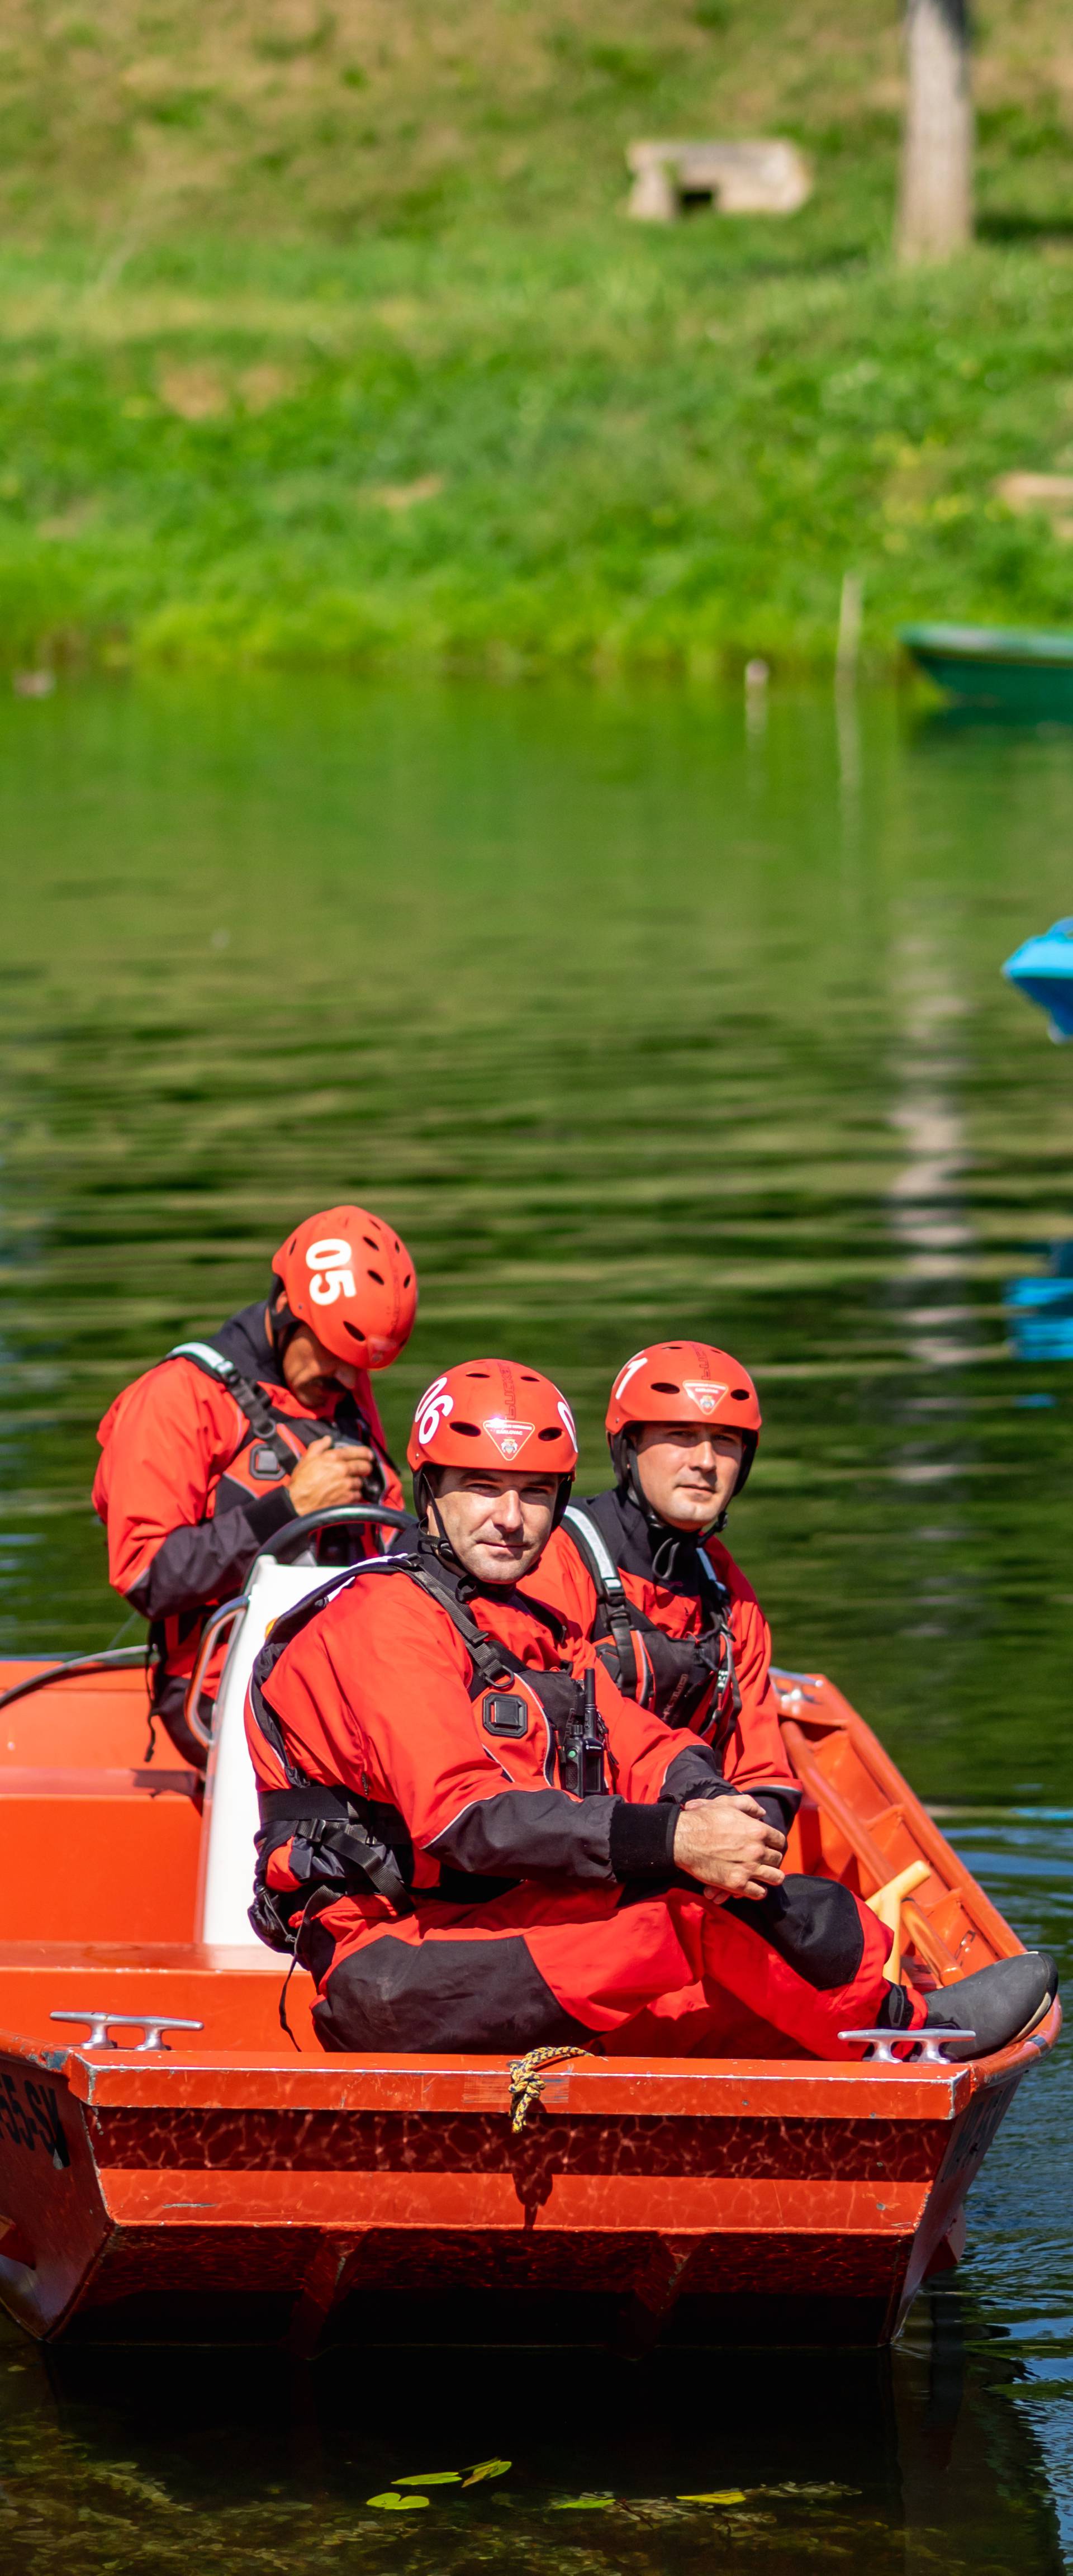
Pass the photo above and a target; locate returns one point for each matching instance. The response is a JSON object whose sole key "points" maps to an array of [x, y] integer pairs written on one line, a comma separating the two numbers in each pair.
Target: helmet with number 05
{"points": [[494, 1413], [684, 1382], [350, 1278]]}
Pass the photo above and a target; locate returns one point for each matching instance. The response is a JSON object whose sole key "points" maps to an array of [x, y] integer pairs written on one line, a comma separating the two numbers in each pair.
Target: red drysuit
{"points": [[481, 1905], [190, 1489]]}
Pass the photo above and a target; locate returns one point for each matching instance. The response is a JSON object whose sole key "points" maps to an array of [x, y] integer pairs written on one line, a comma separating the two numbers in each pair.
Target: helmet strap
{"points": [[283, 1322], [427, 1508]]}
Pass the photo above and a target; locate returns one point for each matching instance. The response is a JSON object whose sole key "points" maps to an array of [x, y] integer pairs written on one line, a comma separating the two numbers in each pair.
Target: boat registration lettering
{"points": [[29, 2117]]}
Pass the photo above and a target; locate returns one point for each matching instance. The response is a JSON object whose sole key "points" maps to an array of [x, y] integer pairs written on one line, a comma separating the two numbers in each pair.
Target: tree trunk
{"points": [[936, 206]]}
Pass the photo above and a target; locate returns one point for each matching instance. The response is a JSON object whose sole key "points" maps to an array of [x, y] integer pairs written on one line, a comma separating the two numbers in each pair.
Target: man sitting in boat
{"points": [[643, 1571], [226, 1440], [476, 1842]]}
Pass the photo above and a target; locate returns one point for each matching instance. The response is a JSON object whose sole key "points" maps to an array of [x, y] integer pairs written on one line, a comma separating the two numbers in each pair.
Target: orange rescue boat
{"points": [[172, 2164]]}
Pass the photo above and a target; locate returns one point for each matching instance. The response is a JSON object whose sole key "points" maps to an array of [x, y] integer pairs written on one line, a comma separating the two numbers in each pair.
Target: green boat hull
{"points": [[1006, 672]]}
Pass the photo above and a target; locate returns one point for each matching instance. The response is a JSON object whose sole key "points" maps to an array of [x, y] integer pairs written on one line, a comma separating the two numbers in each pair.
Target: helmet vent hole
{"points": [[354, 1330], [528, 1377], [377, 1275], [553, 1433], [663, 1386], [739, 1395], [481, 1373], [370, 1239], [466, 1430], [406, 1281]]}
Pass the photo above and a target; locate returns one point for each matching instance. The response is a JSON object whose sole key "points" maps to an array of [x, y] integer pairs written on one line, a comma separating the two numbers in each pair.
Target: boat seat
{"points": [[225, 1883]]}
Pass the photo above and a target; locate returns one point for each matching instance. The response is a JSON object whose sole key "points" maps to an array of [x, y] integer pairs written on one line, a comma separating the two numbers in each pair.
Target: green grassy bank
{"points": [[323, 339]]}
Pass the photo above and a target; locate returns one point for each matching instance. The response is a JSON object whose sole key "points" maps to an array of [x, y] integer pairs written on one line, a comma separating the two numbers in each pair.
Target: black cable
{"points": [[114, 1659]]}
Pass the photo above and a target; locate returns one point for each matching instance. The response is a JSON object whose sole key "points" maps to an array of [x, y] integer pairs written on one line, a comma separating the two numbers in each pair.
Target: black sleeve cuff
{"points": [[268, 1513], [780, 1806], [642, 1839]]}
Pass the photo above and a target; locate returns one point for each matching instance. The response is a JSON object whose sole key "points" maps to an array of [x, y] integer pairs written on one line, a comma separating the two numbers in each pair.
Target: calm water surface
{"points": [[633, 1020]]}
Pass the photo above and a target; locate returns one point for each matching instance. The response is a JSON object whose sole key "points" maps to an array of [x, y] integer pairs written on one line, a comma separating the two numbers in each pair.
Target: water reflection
{"points": [[1020, 2258], [621, 1016], [922, 2458], [626, 1014]]}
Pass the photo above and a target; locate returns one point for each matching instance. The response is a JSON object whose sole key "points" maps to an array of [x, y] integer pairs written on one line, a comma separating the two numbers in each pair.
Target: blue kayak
{"points": [[1039, 1311], [1042, 969]]}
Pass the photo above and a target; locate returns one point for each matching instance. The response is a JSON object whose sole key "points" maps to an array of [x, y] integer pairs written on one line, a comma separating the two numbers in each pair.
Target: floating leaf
{"points": [[433, 2478], [582, 2504], [486, 2469], [389, 2502], [718, 2495]]}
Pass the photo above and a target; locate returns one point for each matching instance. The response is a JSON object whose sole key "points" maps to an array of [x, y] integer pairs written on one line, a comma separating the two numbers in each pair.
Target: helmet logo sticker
{"points": [[509, 1436], [703, 1393], [630, 1370], [432, 1410], [332, 1277]]}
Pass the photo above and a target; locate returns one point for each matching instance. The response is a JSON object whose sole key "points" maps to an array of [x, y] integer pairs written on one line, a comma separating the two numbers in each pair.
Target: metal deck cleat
{"points": [[154, 2025], [926, 2045]]}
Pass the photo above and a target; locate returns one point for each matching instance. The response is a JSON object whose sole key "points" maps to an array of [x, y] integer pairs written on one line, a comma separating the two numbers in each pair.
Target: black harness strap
{"points": [[347, 1418], [593, 1549], [677, 1664], [726, 1708], [489, 1658], [577, 1729], [333, 1832], [328, 1828]]}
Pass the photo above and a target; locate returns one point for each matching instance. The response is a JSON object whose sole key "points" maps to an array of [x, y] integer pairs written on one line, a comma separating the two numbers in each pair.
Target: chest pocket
{"points": [[504, 1713]]}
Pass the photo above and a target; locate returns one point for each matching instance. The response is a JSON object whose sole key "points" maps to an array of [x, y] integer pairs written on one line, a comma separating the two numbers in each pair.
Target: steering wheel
{"points": [[288, 1542]]}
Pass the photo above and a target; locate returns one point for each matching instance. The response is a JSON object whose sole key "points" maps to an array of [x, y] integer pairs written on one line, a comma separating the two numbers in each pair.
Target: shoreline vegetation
{"points": [[323, 341]]}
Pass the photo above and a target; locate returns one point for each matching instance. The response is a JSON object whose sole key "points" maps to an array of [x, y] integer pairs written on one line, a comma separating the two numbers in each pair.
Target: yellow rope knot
{"points": [[526, 2083]]}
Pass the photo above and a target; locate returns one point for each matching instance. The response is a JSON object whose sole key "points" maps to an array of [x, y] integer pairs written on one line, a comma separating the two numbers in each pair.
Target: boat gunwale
{"points": [[721, 2088]]}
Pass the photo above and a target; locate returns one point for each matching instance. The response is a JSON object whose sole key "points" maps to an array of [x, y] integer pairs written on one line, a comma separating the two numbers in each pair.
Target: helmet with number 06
{"points": [[350, 1278], [684, 1382], [494, 1413]]}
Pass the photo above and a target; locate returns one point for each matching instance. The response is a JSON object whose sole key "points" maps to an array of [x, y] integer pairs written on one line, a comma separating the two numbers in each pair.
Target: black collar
{"points": [[643, 1544], [244, 1341], [452, 1575]]}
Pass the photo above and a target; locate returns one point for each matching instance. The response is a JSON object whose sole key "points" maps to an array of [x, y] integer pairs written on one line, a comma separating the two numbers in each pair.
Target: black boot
{"points": [[998, 2004]]}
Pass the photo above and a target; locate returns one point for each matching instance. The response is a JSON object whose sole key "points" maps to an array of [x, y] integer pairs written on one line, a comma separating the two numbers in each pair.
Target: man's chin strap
{"points": [[279, 1320], [437, 1542]]}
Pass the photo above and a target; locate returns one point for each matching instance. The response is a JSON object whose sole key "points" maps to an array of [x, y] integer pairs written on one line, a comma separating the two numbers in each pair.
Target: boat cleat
{"points": [[923, 2047], [154, 2025]]}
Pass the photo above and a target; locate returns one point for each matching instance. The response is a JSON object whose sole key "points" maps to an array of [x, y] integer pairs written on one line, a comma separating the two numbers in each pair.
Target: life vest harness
{"points": [[265, 1458], [345, 1844], [347, 1425], [672, 1675]]}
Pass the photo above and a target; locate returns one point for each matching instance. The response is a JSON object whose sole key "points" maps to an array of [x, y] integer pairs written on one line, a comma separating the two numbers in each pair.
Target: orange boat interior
{"points": [[104, 1832]]}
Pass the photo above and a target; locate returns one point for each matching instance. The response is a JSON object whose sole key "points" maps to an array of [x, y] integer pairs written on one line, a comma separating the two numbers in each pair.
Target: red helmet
{"points": [[685, 1382], [492, 1413], [347, 1275]]}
